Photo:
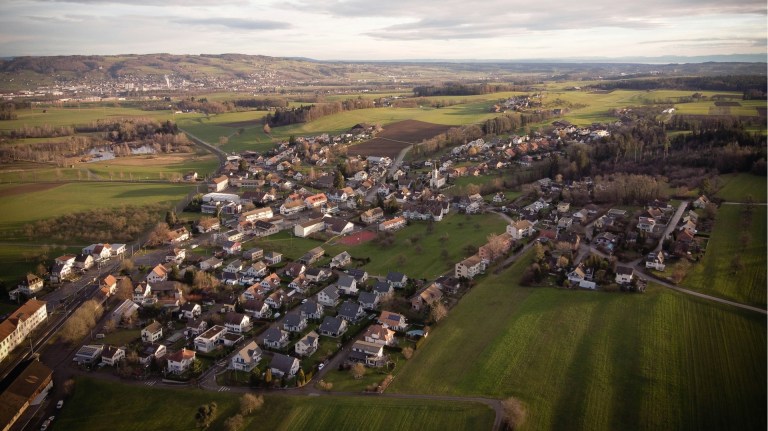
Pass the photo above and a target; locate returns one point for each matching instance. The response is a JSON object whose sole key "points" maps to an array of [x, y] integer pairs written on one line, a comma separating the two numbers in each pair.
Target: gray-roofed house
{"points": [[351, 311], [311, 310], [284, 365], [347, 284], [341, 259], [396, 279], [368, 300], [329, 296], [333, 326], [382, 288], [275, 338], [294, 322], [360, 274]]}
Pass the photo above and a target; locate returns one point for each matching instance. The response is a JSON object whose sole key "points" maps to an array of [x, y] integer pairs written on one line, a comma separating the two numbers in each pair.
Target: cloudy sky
{"points": [[385, 29]]}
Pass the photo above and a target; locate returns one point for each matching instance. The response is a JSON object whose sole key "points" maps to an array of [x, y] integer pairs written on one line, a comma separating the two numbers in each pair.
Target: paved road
{"points": [[672, 224]]}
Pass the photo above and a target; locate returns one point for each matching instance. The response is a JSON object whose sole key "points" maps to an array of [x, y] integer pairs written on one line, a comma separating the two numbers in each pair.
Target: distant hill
{"points": [[32, 72]]}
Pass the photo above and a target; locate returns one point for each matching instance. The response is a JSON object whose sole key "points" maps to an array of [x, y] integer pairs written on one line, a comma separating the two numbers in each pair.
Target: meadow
{"points": [[83, 114], [715, 274], [98, 405], [598, 361], [420, 254], [70, 198], [738, 187]]}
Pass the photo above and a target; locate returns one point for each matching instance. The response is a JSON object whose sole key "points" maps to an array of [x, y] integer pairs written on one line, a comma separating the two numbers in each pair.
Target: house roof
{"points": [[181, 355], [391, 318], [336, 224], [346, 281], [310, 307], [234, 318], [368, 298], [396, 277], [248, 351], [293, 319], [331, 324], [349, 309], [310, 338], [378, 331], [154, 327], [331, 291], [282, 362], [624, 270], [382, 287], [274, 334]]}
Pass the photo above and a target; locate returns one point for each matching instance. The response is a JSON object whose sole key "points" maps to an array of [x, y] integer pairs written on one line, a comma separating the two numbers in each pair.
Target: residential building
{"points": [[333, 326], [152, 332], [308, 344], [19, 324], [210, 339], [520, 229], [469, 267], [246, 358], [284, 365], [181, 361]]}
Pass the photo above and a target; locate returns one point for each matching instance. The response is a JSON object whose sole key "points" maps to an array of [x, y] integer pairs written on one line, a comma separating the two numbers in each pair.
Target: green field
{"points": [[111, 406], [424, 257], [714, 274], [211, 128], [598, 361], [83, 115], [737, 187], [74, 197]]}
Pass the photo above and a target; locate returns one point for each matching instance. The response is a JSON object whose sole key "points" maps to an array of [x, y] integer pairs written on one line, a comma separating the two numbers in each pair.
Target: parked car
{"points": [[60, 404]]}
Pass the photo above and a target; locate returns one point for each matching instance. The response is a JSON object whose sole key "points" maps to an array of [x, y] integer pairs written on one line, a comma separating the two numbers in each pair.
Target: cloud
{"points": [[459, 19], [234, 23], [150, 2]]}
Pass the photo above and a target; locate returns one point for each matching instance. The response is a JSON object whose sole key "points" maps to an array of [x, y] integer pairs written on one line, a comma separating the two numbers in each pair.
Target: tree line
{"points": [[752, 86], [459, 89], [307, 113]]}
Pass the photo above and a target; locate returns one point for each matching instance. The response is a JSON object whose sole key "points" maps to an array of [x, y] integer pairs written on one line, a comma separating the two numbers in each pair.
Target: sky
{"points": [[386, 29]]}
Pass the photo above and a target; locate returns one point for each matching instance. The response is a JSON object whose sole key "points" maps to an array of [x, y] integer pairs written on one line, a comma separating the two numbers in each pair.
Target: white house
{"points": [[520, 229], [180, 361], [246, 358]]}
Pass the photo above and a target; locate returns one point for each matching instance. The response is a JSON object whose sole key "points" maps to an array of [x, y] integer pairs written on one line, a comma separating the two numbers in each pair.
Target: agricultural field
{"points": [[737, 187], [716, 274], [397, 136], [420, 254], [598, 361], [84, 114], [30, 202], [243, 130], [105, 406]]}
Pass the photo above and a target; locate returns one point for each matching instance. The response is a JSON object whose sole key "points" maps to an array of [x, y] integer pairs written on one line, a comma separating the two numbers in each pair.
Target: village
{"points": [[204, 303]]}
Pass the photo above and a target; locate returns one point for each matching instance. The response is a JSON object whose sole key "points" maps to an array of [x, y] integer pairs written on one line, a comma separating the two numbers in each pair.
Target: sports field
{"points": [[109, 406], [585, 360]]}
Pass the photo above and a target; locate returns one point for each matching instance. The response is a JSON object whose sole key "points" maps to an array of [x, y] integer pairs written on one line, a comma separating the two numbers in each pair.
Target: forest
{"points": [[307, 113], [753, 86]]}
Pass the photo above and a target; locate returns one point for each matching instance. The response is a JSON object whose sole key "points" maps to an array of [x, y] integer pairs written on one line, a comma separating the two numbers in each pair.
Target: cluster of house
{"points": [[69, 265]]}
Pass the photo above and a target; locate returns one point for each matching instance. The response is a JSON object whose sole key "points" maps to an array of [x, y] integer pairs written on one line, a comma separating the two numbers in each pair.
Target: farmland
{"points": [[592, 360], [716, 275], [396, 137], [73, 197], [107, 405]]}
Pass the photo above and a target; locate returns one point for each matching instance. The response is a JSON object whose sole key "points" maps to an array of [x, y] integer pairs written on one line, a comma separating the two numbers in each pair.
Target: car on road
{"points": [[47, 423], [320, 367], [60, 404]]}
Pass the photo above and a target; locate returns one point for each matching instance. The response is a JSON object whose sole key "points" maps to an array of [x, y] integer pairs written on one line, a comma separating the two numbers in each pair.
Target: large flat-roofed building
{"points": [[29, 388]]}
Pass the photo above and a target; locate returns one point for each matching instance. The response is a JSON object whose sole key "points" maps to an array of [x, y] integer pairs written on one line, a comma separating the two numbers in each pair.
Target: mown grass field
{"points": [[715, 275], [211, 128], [68, 198], [586, 360], [420, 254], [737, 187], [109, 406], [83, 115]]}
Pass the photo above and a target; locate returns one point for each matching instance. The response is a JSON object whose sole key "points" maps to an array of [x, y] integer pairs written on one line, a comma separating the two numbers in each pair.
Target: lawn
{"points": [[284, 242], [715, 275], [598, 361], [122, 337], [737, 187], [111, 406], [420, 254], [73, 197]]}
